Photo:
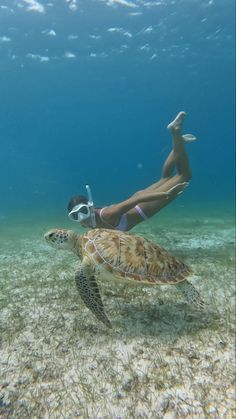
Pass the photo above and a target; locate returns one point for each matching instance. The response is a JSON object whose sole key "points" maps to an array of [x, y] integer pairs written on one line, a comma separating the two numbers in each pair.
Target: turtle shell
{"points": [[132, 257]]}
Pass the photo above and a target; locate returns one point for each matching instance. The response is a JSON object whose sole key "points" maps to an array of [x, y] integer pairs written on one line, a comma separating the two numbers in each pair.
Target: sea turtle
{"points": [[123, 256]]}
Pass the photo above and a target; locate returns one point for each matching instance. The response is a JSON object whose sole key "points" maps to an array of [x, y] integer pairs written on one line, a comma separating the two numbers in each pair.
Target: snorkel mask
{"points": [[82, 212]]}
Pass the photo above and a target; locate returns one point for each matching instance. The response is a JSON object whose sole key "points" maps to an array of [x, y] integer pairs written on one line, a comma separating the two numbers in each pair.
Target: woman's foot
{"points": [[175, 127], [188, 138]]}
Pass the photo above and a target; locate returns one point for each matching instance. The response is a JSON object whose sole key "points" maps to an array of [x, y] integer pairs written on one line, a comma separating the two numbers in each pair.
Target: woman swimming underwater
{"points": [[123, 216]]}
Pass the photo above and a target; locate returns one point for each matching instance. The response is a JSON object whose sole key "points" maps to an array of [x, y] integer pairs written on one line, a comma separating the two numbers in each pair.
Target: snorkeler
{"points": [[143, 204]]}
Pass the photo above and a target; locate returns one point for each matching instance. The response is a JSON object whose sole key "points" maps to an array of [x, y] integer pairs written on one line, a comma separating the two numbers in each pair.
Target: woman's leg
{"points": [[175, 173], [177, 160]]}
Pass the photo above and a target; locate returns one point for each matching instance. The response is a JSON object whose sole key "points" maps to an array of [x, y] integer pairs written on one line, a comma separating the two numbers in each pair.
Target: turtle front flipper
{"points": [[89, 292]]}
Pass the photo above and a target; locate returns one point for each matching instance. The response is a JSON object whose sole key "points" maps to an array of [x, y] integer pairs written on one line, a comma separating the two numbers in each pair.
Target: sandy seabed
{"points": [[162, 358]]}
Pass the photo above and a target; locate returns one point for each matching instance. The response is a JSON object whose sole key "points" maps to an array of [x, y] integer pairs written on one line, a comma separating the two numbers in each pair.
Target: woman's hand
{"points": [[150, 195], [177, 189]]}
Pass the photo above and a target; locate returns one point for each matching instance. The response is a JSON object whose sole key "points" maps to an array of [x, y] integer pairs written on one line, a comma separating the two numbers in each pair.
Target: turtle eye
{"points": [[51, 235]]}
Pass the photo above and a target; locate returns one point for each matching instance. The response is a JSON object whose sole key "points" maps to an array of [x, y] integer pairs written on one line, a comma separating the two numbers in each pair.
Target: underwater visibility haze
{"points": [[87, 88]]}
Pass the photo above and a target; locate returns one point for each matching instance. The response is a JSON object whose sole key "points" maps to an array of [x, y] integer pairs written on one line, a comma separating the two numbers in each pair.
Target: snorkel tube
{"points": [[91, 206]]}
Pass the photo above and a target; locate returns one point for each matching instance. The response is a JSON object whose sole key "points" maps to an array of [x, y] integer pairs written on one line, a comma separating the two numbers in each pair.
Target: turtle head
{"points": [[60, 238]]}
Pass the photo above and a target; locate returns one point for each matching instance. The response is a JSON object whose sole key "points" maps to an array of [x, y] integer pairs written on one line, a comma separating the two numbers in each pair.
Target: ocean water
{"points": [[87, 88]]}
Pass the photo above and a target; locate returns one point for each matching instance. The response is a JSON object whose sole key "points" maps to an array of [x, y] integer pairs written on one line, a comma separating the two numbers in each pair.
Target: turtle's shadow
{"points": [[173, 319]]}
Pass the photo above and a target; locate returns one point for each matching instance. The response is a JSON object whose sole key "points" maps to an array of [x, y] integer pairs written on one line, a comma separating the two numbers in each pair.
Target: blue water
{"points": [[87, 88]]}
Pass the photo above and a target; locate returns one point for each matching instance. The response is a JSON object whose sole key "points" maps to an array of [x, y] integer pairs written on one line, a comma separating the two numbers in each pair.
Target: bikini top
{"points": [[123, 223]]}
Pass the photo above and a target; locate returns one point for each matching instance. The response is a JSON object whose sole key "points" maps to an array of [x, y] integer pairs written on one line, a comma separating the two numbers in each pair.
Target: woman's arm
{"points": [[117, 210]]}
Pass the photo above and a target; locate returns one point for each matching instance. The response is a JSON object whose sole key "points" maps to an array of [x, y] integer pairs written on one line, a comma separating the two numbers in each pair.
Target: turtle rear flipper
{"points": [[89, 292], [191, 294]]}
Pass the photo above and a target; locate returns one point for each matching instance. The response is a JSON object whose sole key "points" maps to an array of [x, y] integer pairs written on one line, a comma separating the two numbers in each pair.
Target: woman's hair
{"points": [[75, 200]]}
